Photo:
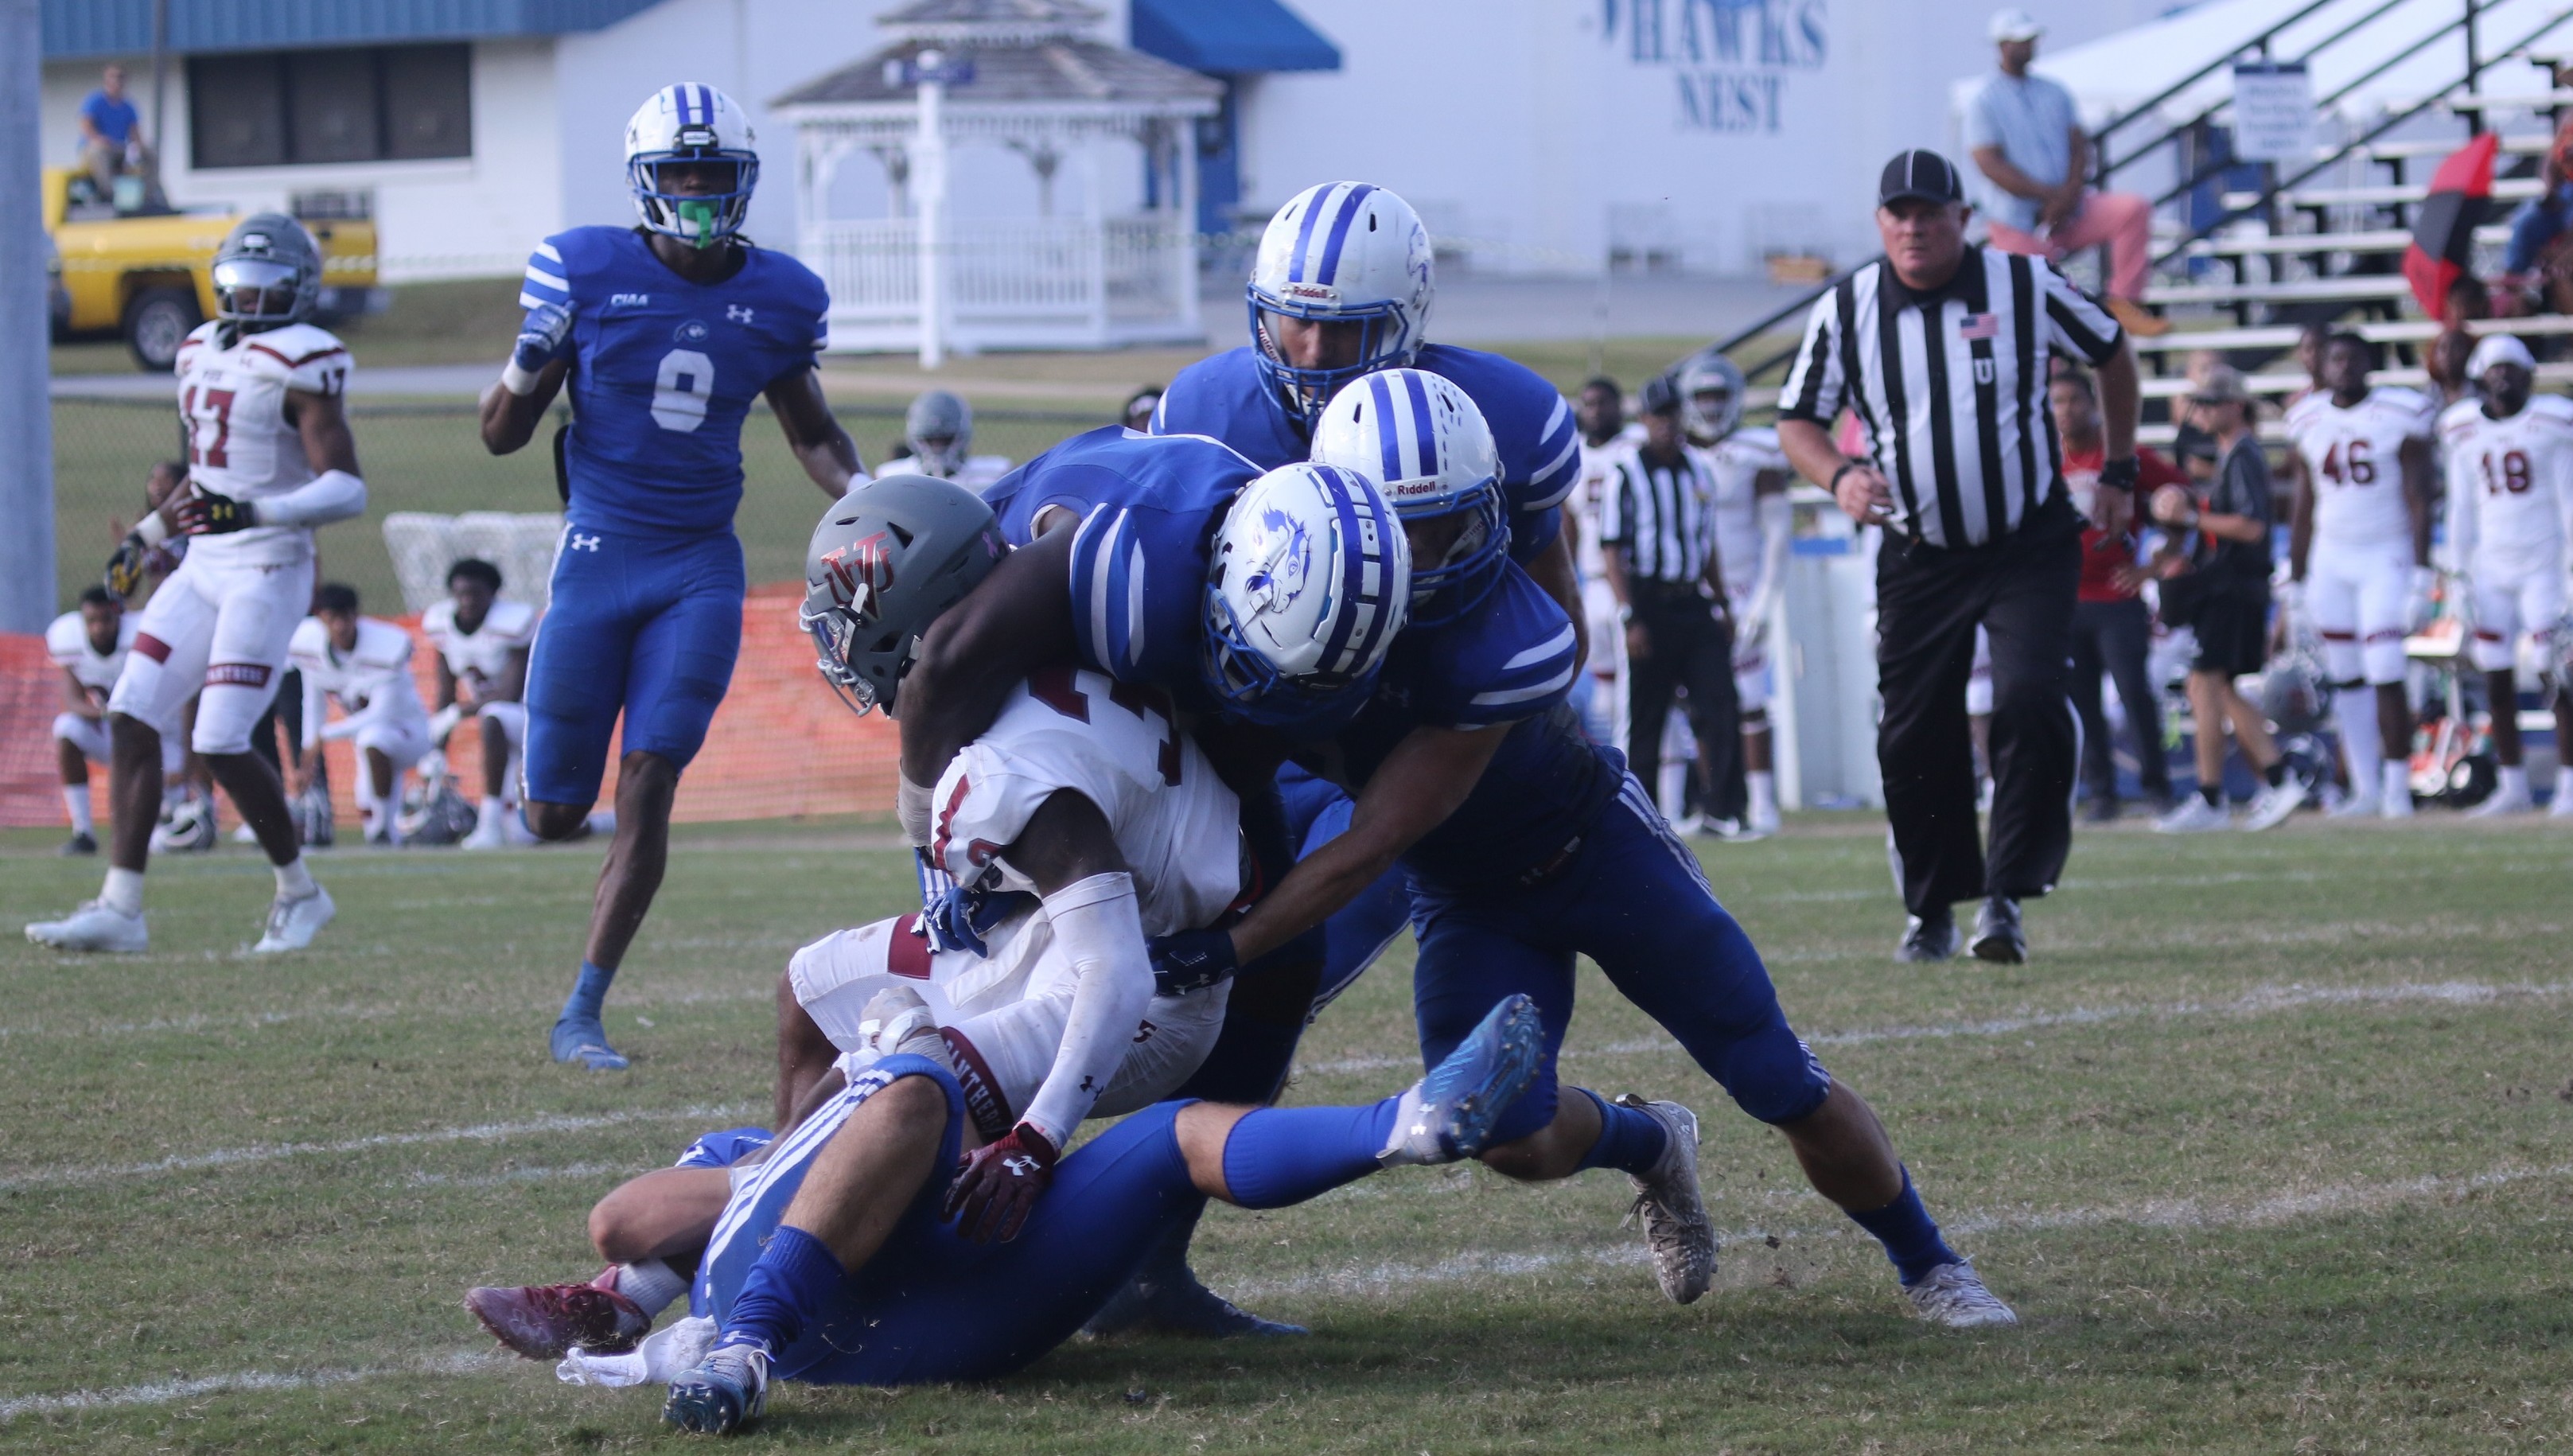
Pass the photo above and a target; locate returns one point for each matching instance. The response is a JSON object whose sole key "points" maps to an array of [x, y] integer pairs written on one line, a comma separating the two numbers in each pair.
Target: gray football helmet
{"points": [[268, 260], [888, 557], [2293, 694], [939, 428], [438, 812], [1703, 378]]}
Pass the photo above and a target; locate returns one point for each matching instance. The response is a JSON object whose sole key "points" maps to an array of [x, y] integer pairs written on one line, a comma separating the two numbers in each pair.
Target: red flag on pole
{"points": [[2443, 232]]}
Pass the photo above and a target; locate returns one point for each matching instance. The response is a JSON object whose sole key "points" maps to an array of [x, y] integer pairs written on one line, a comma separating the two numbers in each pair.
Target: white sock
{"points": [[123, 891], [1763, 785], [650, 1284], [2397, 780], [488, 816], [76, 800], [2354, 713], [293, 881], [2514, 780]]}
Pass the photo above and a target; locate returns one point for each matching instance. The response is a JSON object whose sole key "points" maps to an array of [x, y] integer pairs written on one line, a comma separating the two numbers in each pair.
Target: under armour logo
{"points": [[736, 312], [1020, 1165], [580, 543], [1089, 1083]]}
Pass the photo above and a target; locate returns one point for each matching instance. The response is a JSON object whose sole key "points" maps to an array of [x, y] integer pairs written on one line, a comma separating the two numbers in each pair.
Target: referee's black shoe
{"points": [[1929, 938], [1999, 935]]}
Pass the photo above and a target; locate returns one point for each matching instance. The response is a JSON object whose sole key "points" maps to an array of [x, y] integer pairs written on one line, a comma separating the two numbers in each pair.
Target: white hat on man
{"points": [[2015, 25]]}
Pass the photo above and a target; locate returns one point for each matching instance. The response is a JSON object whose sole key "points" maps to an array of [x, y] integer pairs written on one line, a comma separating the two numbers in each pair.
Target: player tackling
{"points": [[666, 334], [270, 458]]}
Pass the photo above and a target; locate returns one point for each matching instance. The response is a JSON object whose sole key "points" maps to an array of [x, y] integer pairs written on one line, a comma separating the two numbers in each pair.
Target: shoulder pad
{"points": [[64, 638], [311, 639], [511, 618]]}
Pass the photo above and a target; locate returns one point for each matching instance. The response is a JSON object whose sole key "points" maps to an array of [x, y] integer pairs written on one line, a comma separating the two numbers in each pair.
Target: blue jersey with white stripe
{"points": [[665, 373], [1226, 397], [1510, 662], [1148, 506]]}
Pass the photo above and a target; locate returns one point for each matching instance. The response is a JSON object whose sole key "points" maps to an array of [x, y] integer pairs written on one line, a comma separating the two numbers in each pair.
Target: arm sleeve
{"points": [[2075, 321], [1816, 384], [1098, 927], [329, 496]]}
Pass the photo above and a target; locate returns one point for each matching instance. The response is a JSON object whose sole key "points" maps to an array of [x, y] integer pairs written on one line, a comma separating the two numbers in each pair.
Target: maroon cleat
{"points": [[544, 1321]]}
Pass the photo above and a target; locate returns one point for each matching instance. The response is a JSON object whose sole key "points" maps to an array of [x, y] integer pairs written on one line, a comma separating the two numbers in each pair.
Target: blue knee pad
{"points": [[1772, 1075]]}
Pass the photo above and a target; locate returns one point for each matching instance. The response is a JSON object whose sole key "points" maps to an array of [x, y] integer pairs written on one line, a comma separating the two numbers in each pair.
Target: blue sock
{"points": [[784, 1291], [1911, 1239], [1630, 1138], [1280, 1155], [588, 993]]}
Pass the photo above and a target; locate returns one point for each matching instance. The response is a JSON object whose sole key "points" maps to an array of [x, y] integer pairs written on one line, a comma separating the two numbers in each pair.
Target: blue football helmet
{"points": [[1428, 448]]}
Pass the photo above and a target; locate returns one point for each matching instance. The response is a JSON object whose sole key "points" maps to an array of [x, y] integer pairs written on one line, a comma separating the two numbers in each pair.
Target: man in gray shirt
{"points": [[2031, 154]]}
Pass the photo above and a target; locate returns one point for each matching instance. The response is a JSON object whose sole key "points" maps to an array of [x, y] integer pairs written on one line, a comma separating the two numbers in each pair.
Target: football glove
{"points": [[126, 569], [542, 338], [961, 916], [1000, 1184], [204, 513], [1192, 959]]}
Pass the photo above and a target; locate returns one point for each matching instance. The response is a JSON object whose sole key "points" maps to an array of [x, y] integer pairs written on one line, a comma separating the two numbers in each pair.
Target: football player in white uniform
{"points": [[89, 644], [1752, 530], [2510, 512], [483, 646], [363, 664], [938, 430], [2359, 553], [1600, 414], [268, 458]]}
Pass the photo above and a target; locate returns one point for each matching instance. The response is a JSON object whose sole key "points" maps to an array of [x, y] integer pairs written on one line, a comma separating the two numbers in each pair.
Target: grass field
{"points": [[2270, 1146]]}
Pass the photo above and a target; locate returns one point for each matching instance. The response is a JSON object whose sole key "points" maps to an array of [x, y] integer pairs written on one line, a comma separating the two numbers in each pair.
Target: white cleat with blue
{"points": [[292, 924], [95, 926], [1447, 1116], [726, 1391], [586, 1042], [1954, 1296]]}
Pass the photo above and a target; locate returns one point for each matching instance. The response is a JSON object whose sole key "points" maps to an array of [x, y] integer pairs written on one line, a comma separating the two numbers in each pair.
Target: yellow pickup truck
{"points": [[146, 273]]}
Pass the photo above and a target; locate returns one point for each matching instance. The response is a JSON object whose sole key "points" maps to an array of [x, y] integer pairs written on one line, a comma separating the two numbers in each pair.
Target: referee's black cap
{"points": [[1661, 395], [1920, 173]]}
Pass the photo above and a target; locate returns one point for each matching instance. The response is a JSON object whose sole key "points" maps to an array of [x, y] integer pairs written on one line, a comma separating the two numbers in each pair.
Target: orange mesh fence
{"points": [[781, 746]]}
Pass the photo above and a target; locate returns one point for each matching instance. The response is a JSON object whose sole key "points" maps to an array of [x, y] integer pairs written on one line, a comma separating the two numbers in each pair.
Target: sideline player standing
{"points": [[2510, 511], [268, 458], [1753, 531], [2359, 551], [666, 333]]}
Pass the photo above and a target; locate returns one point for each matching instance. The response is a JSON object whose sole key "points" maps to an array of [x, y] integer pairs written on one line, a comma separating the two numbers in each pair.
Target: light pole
{"points": [[26, 416]]}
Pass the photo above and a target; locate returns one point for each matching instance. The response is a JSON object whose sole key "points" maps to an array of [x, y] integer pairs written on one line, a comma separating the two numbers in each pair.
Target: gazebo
{"points": [[1027, 76]]}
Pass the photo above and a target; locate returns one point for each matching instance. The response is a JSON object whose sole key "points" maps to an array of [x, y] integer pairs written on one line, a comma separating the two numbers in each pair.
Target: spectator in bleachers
{"points": [[2032, 156], [2113, 632], [2542, 219]]}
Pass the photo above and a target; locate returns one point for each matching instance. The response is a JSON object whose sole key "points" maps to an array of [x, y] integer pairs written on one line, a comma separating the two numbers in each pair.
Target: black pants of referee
{"points": [[2021, 590], [1690, 648]]}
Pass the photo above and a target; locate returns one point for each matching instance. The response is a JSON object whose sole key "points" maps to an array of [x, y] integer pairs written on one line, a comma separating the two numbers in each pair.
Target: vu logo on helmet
{"points": [[862, 570]]}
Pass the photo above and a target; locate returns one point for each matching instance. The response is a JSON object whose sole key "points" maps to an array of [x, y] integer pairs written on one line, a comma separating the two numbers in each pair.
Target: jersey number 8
{"points": [[681, 393]]}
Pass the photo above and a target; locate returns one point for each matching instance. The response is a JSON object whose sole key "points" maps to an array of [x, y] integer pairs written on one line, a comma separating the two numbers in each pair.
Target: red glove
{"points": [[1000, 1183]]}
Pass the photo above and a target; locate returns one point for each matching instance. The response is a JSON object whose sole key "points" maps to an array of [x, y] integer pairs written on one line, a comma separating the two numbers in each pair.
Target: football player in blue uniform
{"points": [[666, 336]]}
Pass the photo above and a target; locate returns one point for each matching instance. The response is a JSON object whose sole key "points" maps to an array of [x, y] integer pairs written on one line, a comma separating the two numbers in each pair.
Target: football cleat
{"points": [[292, 924], [725, 1392], [2353, 806], [77, 845], [546, 1321], [1175, 1303], [586, 1042], [96, 926], [2001, 936], [2195, 816], [1447, 1116], [1671, 1207], [1954, 1296], [486, 837], [1926, 940], [2272, 806]]}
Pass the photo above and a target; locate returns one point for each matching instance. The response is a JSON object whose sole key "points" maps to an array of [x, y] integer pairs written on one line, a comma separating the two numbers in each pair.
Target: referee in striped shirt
{"points": [[1940, 348]]}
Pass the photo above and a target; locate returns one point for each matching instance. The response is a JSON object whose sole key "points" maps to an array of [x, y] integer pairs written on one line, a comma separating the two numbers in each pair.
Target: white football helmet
{"points": [[1341, 253], [693, 123], [1308, 585], [1711, 387], [1426, 445]]}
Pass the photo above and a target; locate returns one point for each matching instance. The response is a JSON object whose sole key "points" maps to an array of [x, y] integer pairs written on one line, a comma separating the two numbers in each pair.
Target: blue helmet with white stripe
{"points": [[694, 125], [1426, 445], [1341, 252], [1310, 580]]}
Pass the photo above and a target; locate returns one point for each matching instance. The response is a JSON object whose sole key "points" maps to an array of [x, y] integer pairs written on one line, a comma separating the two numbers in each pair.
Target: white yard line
{"points": [[2264, 1001], [1468, 1264], [57, 1177]]}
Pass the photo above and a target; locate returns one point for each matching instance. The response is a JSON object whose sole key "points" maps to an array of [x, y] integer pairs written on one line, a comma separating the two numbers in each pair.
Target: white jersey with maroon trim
{"points": [[1736, 462], [2510, 483], [481, 657], [1118, 746], [2354, 458], [232, 405], [373, 677], [67, 642]]}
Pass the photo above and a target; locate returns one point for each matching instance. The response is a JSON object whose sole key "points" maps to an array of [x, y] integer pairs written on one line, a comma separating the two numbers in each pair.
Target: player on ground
{"points": [[2510, 512], [1752, 530], [363, 664], [481, 644], [268, 458], [938, 430], [89, 644], [2359, 555], [666, 334]]}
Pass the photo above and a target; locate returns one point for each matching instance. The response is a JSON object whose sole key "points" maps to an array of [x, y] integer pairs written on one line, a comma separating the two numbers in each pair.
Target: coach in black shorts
{"points": [[1941, 350]]}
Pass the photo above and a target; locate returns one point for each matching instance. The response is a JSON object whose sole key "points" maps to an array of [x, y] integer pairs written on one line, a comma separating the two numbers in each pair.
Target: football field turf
{"points": [[2270, 1146]]}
